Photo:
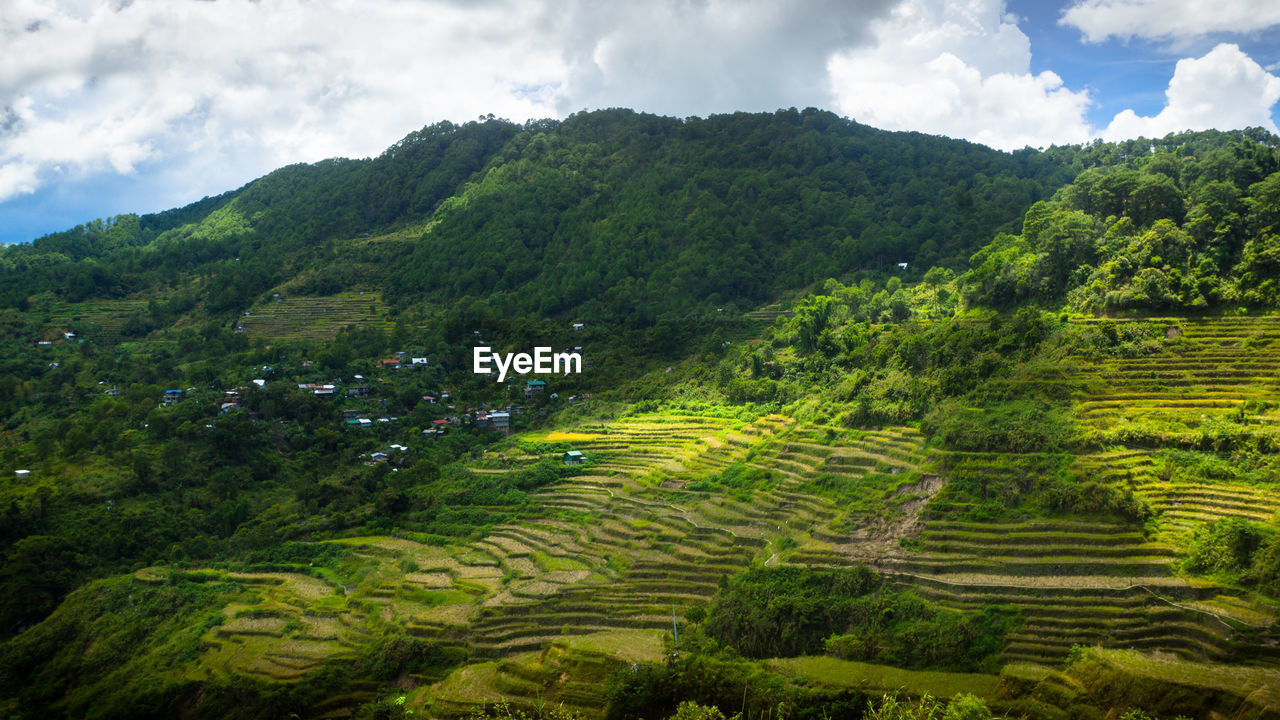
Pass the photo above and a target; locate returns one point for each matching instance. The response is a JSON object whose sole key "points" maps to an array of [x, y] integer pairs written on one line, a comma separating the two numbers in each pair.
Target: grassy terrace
{"points": [[315, 318], [590, 577], [1220, 368], [108, 315], [1100, 580], [1225, 370]]}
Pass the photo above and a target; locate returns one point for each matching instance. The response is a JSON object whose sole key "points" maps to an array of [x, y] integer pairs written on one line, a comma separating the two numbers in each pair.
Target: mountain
{"points": [[1032, 471], [643, 215]]}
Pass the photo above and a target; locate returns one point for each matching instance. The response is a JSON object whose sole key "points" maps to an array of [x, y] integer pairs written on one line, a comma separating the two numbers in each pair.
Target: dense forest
{"points": [[261, 381], [611, 214]]}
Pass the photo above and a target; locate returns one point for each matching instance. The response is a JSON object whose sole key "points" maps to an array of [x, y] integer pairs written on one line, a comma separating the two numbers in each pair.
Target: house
{"points": [[229, 406], [391, 364], [419, 362], [500, 420], [260, 383], [22, 474], [574, 457], [45, 343], [429, 399], [327, 391], [171, 397], [533, 388], [358, 391], [349, 415], [378, 456], [69, 336], [365, 423], [113, 391], [577, 326]]}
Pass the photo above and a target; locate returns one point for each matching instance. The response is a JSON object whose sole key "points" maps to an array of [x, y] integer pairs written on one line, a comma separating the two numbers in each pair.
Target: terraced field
{"points": [[1223, 371], [1099, 580], [594, 574], [315, 318], [597, 570], [1219, 369], [101, 320]]}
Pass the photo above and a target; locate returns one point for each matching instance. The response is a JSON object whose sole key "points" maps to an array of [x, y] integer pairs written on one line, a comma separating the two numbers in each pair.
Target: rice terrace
{"points": [[590, 577]]}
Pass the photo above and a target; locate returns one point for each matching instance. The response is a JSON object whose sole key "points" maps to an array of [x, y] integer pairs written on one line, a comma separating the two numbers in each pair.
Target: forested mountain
{"points": [[1190, 223], [249, 470], [618, 213]]}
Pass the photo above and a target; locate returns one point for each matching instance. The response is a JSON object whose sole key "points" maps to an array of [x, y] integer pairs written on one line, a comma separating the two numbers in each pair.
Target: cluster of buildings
{"points": [[482, 417], [498, 418]]}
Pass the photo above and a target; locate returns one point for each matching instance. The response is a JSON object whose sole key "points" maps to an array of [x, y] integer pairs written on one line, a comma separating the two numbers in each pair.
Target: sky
{"points": [[115, 106]]}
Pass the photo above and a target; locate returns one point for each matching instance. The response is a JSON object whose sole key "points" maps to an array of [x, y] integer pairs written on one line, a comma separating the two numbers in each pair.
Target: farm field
{"points": [[594, 574], [314, 318], [1101, 581]]}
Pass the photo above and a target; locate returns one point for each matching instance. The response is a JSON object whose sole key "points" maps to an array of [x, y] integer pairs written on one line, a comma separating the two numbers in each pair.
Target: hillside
{"points": [[611, 214], [1034, 472]]}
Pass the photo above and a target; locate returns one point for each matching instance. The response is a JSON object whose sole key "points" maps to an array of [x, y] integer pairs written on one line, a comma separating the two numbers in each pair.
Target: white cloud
{"points": [[17, 179], [1225, 89], [1167, 19], [204, 96], [220, 92], [684, 57], [960, 69], [240, 87]]}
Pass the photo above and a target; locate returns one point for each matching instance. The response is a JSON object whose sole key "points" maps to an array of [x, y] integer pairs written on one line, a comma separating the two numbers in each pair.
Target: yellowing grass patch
{"points": [[570, 437], [628, 645], [1259, 686]]}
